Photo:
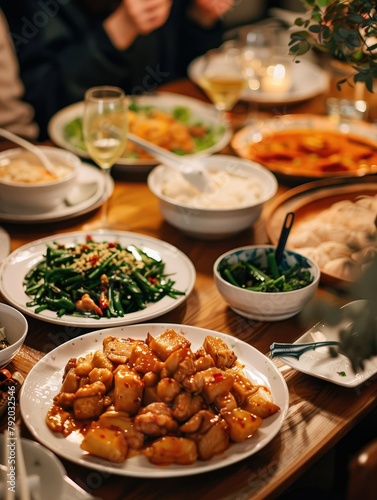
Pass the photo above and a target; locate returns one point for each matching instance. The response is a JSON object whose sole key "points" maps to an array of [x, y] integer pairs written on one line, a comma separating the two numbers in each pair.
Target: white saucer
{"points": [[309, 81], [4, 244], [88, 174]]}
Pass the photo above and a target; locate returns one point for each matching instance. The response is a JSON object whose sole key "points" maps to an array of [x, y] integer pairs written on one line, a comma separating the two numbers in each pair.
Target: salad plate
{"points": [[45, 378], [65, 127], [308, 80], [318, 363], [4, 244], [14, 268], [98, 192]]}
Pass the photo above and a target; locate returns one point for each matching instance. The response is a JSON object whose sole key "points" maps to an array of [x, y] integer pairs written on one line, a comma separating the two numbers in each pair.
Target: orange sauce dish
{"points": [[317, 153]]}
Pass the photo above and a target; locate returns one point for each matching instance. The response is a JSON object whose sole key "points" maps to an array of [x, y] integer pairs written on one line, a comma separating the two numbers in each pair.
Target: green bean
{"points": [[133, 279], [272, 265], [272, 278]]}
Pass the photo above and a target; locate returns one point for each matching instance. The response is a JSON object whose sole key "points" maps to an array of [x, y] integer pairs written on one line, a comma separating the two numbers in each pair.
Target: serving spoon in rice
{"points": [[30, 147], [191, 170]]}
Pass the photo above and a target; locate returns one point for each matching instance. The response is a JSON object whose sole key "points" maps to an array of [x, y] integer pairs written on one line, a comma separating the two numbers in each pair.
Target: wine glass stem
{"points": [[105, 204]]}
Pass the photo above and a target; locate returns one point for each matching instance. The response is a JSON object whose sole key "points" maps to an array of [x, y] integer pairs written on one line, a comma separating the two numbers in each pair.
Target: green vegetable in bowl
{"points": [[273, 278], [97, 279]]}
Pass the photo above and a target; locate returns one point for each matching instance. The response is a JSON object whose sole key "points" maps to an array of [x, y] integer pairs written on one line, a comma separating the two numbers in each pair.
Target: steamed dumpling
{"points": [[362, 239], [334, 249], [343, 267], [306, 238], [314, 253], [365, 255], [369, 202]]}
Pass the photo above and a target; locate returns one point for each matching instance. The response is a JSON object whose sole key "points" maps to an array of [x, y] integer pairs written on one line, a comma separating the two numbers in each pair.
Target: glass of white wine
{"points": [[222, 77], [105, 127]]}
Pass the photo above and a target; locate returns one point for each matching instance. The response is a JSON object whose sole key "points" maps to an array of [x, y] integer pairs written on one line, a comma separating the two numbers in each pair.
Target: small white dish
{"points": [[86, 174], [318, 363], [27, 187], [15, 328], [4, 244], [42, 464]]}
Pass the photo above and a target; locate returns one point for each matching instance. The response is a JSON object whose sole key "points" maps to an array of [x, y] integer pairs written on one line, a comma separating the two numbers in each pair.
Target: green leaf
{"points": [[315, 28]]}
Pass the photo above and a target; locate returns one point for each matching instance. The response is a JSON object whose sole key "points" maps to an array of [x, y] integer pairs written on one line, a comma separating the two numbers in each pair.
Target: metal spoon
{"points": [[285, 230], [30, 147], [191, 170]]}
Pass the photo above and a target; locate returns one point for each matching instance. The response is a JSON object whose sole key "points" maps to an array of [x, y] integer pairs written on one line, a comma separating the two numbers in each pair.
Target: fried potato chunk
{"points": [[219, 351], [113, 419], [143, 360], [241, 423], [128, 390], [166, 343], [103, 375], [109, 444], [118, 350], [172, 450], [260, 403], [71, 381]]}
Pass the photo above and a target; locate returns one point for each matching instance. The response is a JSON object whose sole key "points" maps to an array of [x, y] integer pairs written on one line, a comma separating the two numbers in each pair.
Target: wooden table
{"points": [[320, 413]]}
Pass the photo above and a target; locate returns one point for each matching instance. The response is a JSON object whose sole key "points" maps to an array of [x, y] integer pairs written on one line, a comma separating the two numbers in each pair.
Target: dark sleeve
{"points": [[201, 39], [62, 52]]}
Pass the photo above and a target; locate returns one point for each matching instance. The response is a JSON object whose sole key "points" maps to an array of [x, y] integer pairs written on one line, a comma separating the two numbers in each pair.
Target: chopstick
{"points": [[21, 473]]}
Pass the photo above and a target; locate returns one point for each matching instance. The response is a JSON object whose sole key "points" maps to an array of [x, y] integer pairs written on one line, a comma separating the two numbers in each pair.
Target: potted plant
{"points": [[345, 30]]}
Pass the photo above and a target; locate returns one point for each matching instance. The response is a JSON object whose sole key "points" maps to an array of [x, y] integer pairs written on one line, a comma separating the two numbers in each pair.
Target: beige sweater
{"points": [[15, 114]]}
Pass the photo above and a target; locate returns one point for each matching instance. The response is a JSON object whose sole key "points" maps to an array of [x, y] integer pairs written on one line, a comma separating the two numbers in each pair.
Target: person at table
{"points": [[15, 114], [67, 46]]}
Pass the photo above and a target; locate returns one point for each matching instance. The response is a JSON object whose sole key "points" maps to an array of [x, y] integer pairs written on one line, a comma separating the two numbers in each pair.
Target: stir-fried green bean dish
{"points": [[97, 279], [251, 275]]}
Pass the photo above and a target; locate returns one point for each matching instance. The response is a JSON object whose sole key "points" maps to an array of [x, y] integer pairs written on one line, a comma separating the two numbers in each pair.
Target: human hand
{"points": [[147, 15], [207, 12]]}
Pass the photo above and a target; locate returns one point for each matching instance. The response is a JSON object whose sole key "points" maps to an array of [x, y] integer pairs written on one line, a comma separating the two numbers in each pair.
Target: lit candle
{"points": [[277, 79]]}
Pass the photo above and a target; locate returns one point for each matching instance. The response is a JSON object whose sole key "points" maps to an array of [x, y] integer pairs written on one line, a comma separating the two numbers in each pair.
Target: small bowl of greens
{"points": [[256, 287]]}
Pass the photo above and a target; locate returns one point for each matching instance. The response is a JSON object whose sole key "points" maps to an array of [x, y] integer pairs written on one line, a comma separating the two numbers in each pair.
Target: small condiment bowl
{"points": [[16, 328], [201, 214], [259, 305], [32, 196]]}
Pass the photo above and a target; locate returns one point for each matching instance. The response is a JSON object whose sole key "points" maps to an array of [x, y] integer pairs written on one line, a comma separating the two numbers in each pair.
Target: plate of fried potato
{"points": [[172, 400], [180, 124]]}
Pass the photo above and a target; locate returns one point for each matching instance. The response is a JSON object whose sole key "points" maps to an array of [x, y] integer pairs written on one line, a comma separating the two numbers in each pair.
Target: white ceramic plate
{"points": [[308, 80], [88, 174], [4, 244], [19, 262], [200, 111], [244, 139], [45, 379], [41, 464], [320, 364]]}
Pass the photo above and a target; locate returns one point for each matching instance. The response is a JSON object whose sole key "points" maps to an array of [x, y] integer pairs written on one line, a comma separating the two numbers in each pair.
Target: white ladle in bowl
{"points": [[191, 170], [30, 147]]}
